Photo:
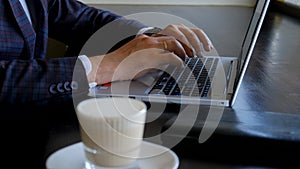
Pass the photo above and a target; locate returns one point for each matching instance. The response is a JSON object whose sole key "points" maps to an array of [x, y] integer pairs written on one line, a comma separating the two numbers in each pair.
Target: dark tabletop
{"points": [[262, 129]]}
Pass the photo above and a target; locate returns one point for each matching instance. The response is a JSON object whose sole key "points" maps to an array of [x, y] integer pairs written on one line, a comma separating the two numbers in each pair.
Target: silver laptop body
{"points": [[220, 86]]}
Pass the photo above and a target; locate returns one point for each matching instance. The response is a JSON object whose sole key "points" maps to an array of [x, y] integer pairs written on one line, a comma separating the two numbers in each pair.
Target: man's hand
{"points": [[145, 53], [192, 37]]}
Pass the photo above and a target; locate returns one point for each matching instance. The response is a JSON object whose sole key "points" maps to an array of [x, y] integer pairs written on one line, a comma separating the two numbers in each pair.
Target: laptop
{"points": [[211, 80]]}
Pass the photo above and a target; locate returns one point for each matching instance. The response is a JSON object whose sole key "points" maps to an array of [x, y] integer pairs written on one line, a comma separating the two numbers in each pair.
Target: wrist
{"points": [[103, 67], [94, 68]]}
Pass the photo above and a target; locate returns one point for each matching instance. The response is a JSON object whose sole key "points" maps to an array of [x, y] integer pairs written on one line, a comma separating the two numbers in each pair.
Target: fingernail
{"points": [[182, 65], [199, 54], [192, 52], [211, 46], [207, 48]]}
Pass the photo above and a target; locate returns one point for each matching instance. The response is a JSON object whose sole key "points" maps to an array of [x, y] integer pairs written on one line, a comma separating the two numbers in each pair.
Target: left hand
{"points": [[191, 37]]}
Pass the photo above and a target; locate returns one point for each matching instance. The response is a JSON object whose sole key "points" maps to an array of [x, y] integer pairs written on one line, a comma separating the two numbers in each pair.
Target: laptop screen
{"points": [[250, 40]]}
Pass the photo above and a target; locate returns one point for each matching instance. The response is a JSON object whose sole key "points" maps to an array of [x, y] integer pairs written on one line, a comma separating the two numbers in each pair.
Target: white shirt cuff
{"points": [[88, 67], [86, 63]]}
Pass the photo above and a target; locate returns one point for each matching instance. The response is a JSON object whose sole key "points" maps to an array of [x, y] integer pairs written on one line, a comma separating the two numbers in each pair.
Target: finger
{"points": [[179, 35], [189, 51], [172, 59], [172, 30], [207, 45], [166, 43], [192, 38], [172, 45]]}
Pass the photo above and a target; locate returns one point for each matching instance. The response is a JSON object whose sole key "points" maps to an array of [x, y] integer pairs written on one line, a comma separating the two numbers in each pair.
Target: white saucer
{"points": [[153, 156]]}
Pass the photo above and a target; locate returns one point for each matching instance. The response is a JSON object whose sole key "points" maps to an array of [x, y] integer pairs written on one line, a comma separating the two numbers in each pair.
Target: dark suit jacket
{"points": [[35, 90], [26, 75]]}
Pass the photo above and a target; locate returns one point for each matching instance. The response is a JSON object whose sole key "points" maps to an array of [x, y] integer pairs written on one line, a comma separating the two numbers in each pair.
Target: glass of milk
{"points": [[111, 130]]}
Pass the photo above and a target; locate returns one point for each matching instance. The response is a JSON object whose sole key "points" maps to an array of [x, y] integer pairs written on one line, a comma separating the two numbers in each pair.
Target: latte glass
{"points": [[111, 130]]}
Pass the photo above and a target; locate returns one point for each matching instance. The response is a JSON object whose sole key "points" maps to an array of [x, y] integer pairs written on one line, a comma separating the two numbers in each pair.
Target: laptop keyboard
{"points": [[192, 80]]}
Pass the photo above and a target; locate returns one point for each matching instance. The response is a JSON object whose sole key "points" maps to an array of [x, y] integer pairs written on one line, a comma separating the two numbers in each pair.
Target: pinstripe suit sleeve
{"points": [[40, 80], [30, 77], [77, 22]]}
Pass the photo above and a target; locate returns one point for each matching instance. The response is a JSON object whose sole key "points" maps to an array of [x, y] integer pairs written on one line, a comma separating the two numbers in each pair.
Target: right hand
{"points": [[191, 37], [138, 57], [144, 53]]}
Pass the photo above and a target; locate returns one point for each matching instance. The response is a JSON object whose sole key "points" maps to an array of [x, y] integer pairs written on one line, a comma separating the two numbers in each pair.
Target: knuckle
{"points": [[142, 37], [172, 39], [181, 36], [181, 25], [173, 42], [146, 40], [172, 26], [198, 30]]}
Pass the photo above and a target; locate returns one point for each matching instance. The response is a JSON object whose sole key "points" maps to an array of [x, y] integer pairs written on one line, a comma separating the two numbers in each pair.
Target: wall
{"points": [[216, 21], [174, 2]]}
